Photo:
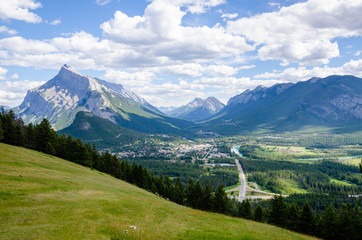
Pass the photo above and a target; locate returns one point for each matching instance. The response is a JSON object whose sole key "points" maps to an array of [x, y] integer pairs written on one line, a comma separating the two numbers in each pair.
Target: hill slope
{"points": [[101, 131], [43, 197]]}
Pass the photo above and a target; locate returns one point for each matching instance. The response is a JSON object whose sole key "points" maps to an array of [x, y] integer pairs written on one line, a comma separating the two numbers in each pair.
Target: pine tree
{"points": [[1, 128], [307, 221], [220, 201], [20, 139], [198, 195], [49, 149], [245, 210], [169, 188], [293, 217], [345, 218], [278, 211], [179, 192], [190, 196], [44, 135], [207, 197], [328, 223], [356, 223], [9, 128], [29, 134], [258, 214]]}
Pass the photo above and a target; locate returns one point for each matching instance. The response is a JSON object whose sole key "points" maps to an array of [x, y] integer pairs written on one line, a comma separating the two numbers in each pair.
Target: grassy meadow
{"points": [[43, 197]]}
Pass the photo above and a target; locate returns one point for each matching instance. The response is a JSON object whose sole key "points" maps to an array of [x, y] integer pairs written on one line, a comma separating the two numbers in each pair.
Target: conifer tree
{"points": [[44, 135], [356, 222], [307, 221], [258, 214], [293, 216], [278, 211], [328, 223], [9, 128], [190, 197], [207, 196], [179, 192], [198, 195], [345, 218], [220, 201], [1, 128], [29, 134], [245, 210]]}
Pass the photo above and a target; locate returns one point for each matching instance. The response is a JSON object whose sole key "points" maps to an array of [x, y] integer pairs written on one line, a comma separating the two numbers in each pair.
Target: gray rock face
{"points": [[348, 103], [69, 92]]}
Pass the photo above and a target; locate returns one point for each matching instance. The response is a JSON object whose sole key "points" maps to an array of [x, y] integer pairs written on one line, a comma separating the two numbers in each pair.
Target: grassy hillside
{"points": [[43, 197]]}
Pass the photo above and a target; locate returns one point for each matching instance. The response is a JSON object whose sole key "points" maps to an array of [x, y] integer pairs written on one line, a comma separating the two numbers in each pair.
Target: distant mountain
{"points": [[335, 101], [197, 110], [101, 131], [69, 92]]}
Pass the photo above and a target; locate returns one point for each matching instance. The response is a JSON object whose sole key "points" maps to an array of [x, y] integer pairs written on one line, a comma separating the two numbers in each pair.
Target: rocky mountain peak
{"points": [[68, 92]]}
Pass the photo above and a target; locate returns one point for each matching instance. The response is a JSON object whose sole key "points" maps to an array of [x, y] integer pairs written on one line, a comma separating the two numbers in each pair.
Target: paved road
{"points": [[242, 188]]}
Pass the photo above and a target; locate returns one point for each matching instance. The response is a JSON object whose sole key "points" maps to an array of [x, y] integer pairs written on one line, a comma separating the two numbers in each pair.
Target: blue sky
{"points": [[171, 51]]}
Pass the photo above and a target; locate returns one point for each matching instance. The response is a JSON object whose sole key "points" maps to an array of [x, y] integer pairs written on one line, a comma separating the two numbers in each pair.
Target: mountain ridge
{"points": [[69, 92], [198, 109], [333, 101]]}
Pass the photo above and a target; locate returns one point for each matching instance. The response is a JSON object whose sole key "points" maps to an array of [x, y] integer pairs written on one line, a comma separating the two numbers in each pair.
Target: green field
{"points": [[354, 161], [43, 197]]}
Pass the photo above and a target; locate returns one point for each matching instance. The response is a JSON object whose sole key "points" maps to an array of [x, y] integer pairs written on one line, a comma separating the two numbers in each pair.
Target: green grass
{"points": [[233, 193], [290, 186], [232, 187], [43, 197], [354, 161], [339, 182]]}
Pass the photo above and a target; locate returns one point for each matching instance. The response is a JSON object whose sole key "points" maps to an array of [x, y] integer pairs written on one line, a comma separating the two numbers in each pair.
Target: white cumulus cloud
{"points": [[304, 32], [159, 33], [13, 93], [3, 72], [353, 67], [19, 10]]}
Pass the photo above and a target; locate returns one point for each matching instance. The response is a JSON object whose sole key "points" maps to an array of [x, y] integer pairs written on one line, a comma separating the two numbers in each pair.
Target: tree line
{"points": [[342, 223]]}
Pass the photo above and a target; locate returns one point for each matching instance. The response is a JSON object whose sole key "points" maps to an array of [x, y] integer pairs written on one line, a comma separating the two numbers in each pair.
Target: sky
{"points": [[172, 51]]}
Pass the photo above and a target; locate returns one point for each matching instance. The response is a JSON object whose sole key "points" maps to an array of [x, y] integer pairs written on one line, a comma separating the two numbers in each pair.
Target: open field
{"points": [[43, 197], [354, 161]]}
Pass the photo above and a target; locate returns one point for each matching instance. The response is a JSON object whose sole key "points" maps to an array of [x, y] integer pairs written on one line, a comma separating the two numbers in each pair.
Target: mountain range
{"points": [[332, 102], [197, 110], [82, 105], [69, 92]]}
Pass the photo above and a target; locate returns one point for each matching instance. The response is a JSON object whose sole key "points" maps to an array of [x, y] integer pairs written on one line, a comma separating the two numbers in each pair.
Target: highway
{"points": [[242, 187], [243, 184]]}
